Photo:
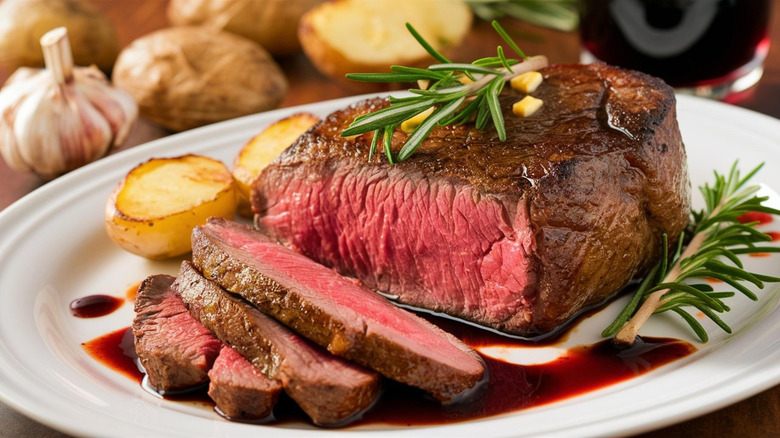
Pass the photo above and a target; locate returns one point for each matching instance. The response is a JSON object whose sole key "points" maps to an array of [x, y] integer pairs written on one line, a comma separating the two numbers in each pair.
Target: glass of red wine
{"points": [[711, 48]]}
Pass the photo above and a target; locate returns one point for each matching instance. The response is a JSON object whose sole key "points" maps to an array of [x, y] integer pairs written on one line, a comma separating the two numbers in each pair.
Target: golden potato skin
{"points": [[92, 36], [152, 211], [264, 148], [271, 23], [362, 36]]}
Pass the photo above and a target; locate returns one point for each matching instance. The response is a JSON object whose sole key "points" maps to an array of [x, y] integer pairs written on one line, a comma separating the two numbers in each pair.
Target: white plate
{"points": [[53, 249]]}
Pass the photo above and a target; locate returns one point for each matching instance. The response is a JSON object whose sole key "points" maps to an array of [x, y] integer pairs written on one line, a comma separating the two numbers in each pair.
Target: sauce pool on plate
{"points": [[512, 387]]}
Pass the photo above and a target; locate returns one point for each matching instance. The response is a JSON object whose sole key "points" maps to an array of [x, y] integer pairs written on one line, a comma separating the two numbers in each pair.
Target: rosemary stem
{"points": [[630, 330], [531, 64]]}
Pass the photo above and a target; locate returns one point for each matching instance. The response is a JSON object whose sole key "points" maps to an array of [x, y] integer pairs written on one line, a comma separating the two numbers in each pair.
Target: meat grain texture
{"points": [[330, 390], [335, 312], [518, 235], [175, 350], [239, 389]]}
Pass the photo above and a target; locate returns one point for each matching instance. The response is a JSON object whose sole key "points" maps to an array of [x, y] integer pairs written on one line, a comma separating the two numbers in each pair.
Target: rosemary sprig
{"points": [[459, 93], [554, 14], [718, 237]]}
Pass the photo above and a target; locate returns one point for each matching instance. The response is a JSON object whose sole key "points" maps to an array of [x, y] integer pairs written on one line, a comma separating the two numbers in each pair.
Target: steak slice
{"points": [[335, 312], [518, 235], [330, 390], [240, 390], [175, 350]]}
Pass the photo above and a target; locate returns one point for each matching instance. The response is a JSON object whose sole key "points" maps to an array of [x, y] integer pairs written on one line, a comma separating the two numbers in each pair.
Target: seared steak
{"points": [[175, 350], [517, 235], [330, 390], [333, 311], [240, 390]]}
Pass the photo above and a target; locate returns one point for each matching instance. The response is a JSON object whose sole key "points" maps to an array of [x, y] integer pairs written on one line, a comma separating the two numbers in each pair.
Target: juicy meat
{"points": [[330, 390], [334, 311], [240, 390], [175, 350], [518, 235]]}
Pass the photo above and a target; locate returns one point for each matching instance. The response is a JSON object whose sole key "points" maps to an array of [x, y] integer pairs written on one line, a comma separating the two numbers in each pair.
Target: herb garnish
{"points": [[458, 92], [718, 237], [559, 14]]}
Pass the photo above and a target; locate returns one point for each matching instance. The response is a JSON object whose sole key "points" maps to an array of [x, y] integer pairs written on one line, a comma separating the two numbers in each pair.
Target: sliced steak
{"points": [[330, 390], [175, 350], [240, 390], [518, 235], [334, 311]]}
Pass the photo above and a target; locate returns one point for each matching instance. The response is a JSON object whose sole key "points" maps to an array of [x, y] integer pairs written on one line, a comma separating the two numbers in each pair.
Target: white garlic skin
{"points": [[49, 127]]}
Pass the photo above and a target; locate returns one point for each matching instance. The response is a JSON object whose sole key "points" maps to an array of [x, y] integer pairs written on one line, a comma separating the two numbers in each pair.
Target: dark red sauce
{"points": [[755, 216], [511, 387], [116, 351], [515, 387], [93, 306], [197, 394]]}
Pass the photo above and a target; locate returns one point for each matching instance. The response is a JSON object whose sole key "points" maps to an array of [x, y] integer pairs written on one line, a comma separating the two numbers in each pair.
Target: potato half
{"points": [[264, 148], [355, 36], [153, 210]]}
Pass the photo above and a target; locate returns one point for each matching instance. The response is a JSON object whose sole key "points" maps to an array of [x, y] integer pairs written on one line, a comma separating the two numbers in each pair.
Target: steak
{"points": [[335, 312], [518, 235], [330, 390], [175, 350], [240, 390]]}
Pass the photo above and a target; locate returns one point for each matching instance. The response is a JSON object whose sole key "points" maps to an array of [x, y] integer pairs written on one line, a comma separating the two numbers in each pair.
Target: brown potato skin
{"points": [[185, 77], [92, 36], [271, 23]]}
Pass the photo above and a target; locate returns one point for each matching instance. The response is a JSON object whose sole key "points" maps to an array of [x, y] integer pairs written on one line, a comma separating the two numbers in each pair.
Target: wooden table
{"points": [[756, 416]]}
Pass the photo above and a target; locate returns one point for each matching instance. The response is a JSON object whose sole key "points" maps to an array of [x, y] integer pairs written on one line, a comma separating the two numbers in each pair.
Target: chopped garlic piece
{"points": [[465, 80], [423, 84], [527, 106], [527, 82], [409, 125]]}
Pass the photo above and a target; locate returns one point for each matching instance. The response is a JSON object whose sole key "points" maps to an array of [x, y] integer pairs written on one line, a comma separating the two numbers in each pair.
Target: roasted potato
{"points": [[271, 23], [153, 210], [92, 36], [264, 148], [189, 76], [355, 36]]}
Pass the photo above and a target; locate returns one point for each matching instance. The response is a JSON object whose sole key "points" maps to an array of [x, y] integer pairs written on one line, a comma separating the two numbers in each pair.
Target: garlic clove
{"points": [[116, 105], [9, 148], [59, 131]]}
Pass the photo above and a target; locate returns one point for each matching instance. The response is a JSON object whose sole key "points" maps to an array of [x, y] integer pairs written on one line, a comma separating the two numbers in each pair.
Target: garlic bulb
{"points": [[56, 119]]}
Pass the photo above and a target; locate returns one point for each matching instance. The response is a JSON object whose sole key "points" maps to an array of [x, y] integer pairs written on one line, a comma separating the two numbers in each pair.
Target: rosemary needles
{"points": [[718, 237], [457, 92]]}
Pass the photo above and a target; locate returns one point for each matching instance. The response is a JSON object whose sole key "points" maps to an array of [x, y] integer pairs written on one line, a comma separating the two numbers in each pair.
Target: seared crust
{"points": [[600, 168]]}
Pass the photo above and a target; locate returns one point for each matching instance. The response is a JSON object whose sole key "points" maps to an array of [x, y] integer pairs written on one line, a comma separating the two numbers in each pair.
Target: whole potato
{"points": [[271, 23], [189, 76], [23, 22]]}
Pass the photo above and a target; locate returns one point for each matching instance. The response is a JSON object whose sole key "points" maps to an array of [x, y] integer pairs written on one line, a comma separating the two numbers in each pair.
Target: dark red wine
{"points": [[685, 42]]}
